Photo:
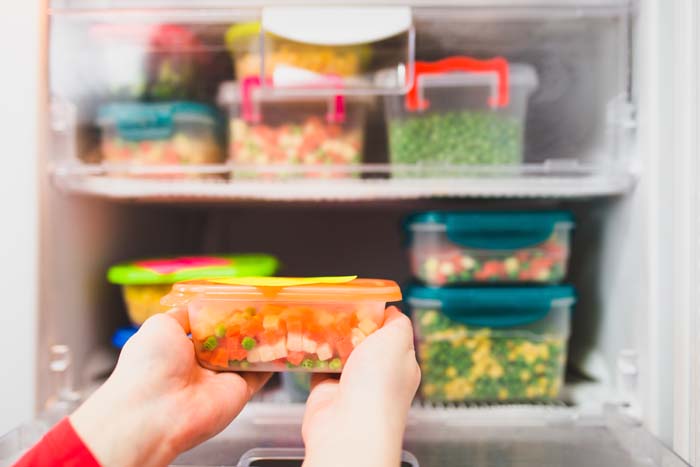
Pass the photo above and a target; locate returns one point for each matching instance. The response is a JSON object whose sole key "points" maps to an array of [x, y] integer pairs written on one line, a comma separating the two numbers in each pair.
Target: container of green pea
{"points": [[491, 344], [460, 111]]}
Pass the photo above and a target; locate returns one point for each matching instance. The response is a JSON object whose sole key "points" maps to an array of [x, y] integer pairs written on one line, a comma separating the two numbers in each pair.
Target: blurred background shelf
{"points": [[534, 182]]}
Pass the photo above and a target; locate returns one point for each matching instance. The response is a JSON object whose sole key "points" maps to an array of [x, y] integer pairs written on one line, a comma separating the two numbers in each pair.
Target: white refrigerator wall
{"points": [[21, 91]]}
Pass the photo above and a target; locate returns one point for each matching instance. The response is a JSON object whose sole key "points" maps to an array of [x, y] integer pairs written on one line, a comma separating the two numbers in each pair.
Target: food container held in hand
{"points": [[449, 248], [491, 344], [145, 282], [274, 134], [461, 111], [148, 134], [281, 324]]}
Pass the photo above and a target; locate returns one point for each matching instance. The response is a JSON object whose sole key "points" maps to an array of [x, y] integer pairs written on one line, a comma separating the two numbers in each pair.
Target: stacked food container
{"points": [[490, 322]]}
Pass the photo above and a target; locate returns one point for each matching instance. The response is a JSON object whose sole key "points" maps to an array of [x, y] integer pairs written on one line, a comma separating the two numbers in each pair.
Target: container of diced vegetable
{"points": [[159, 134], [145, 282], [281, 324], [461, 111], [451, 248], [491, 344], [277, 134]]}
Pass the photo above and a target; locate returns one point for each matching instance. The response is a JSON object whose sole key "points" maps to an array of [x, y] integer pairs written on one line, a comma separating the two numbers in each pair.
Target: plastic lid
{"points": [[492, 230], [295, 289], [493, 307], [176, 269], [145, 121], [241, 31], [335, 25], [122, 335]]}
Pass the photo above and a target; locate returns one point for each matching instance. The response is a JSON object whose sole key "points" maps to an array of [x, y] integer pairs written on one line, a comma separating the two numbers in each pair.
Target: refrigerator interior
{"points": [[580, 151]]}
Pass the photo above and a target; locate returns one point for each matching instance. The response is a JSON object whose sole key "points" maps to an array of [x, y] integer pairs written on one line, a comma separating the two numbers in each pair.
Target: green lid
{"points": [[491, 306], [138, 121], [176, 269], [241, 31], [492, 230]]}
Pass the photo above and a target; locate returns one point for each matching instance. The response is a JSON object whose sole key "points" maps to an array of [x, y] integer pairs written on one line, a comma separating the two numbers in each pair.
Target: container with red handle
{"points": [[461, 111]]}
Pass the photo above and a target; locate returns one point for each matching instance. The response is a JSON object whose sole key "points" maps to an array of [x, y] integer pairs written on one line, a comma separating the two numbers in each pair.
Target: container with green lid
{"points": [[491, 344], [501, 247], [145, 282], [166, 133]]}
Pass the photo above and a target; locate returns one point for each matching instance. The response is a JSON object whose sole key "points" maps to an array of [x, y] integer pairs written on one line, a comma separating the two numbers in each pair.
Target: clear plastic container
{"points": [[491, 344], [281, 324], [461, 111], [175, 133], [145, 282], [275, 134], [449, 248]]}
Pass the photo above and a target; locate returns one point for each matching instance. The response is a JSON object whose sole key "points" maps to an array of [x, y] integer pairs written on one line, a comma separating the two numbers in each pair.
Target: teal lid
{"points": [[493, 307], [181, 268], [138, 121], [492, 230]]}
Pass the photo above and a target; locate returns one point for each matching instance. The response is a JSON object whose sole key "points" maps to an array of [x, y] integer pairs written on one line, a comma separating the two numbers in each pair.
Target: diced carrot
{"points": [[219, 357], [344, 347], [294, 326], [271, 337], [295, 358], [253, 326]]}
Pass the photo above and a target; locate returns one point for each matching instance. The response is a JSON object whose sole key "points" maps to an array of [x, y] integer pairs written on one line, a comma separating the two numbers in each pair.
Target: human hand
{"points": [[360, 419], [159, 402]]}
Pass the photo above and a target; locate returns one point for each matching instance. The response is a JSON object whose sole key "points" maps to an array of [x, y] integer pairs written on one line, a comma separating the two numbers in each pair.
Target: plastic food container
{"points": [[243, 41], [144, 283], [274, 134], [461, 111], [281, 324], [468, 247], [491, 344], [154, 62], [176, 133]]}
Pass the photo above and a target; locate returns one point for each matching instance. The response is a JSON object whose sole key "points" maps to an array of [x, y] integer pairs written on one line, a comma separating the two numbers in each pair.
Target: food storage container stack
{"points": [[281, 324], [274, 133], [491, 344], [176, 134], [503, 342], [145, 282], [461, 111]]}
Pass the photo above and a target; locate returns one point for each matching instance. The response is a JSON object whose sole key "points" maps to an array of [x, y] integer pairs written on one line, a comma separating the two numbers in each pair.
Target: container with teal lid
{"points": [[491, 344], [169, 133], [498, 247], [145, 282]]}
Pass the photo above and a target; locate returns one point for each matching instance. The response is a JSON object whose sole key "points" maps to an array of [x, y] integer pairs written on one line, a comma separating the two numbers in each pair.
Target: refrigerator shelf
{"points": [[537, 181]]}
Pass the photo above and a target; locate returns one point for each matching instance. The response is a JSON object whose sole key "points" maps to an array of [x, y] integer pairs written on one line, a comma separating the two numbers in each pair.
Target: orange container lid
{"points": [[295, 289]]}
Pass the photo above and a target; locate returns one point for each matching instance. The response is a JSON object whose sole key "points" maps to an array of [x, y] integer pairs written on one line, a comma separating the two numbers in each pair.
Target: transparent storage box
{"points": [[352, 43], [144, 283], [491, 344], [281, 324], [461, 111], [158, 134], [276, 134], [448, 248]]}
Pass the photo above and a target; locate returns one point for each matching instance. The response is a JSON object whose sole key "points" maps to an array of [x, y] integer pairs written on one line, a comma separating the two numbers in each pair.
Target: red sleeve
{"points": [[61, 446]]}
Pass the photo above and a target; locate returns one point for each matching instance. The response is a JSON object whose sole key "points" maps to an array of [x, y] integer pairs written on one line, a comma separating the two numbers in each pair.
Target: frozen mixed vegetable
{"points": [[462, 363], [281, 336], [459, 137], [545, 262], [183, 148]]}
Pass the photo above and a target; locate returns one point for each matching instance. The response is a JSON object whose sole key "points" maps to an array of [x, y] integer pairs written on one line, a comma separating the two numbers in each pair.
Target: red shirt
{"points": [[61, 446]]}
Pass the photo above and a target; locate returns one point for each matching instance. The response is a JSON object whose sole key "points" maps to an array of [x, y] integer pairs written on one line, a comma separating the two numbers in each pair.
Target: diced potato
{"points": [[367, 326], [324, 352], [271, 322], [295, 342], [357, 337], [254, 355], [280, 349], [309, 345], [267, 354]]}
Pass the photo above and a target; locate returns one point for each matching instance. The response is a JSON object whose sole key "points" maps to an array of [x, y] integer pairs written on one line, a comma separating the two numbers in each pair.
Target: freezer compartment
{"points": [[451, 248], [491, 344], [282, 324]]}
